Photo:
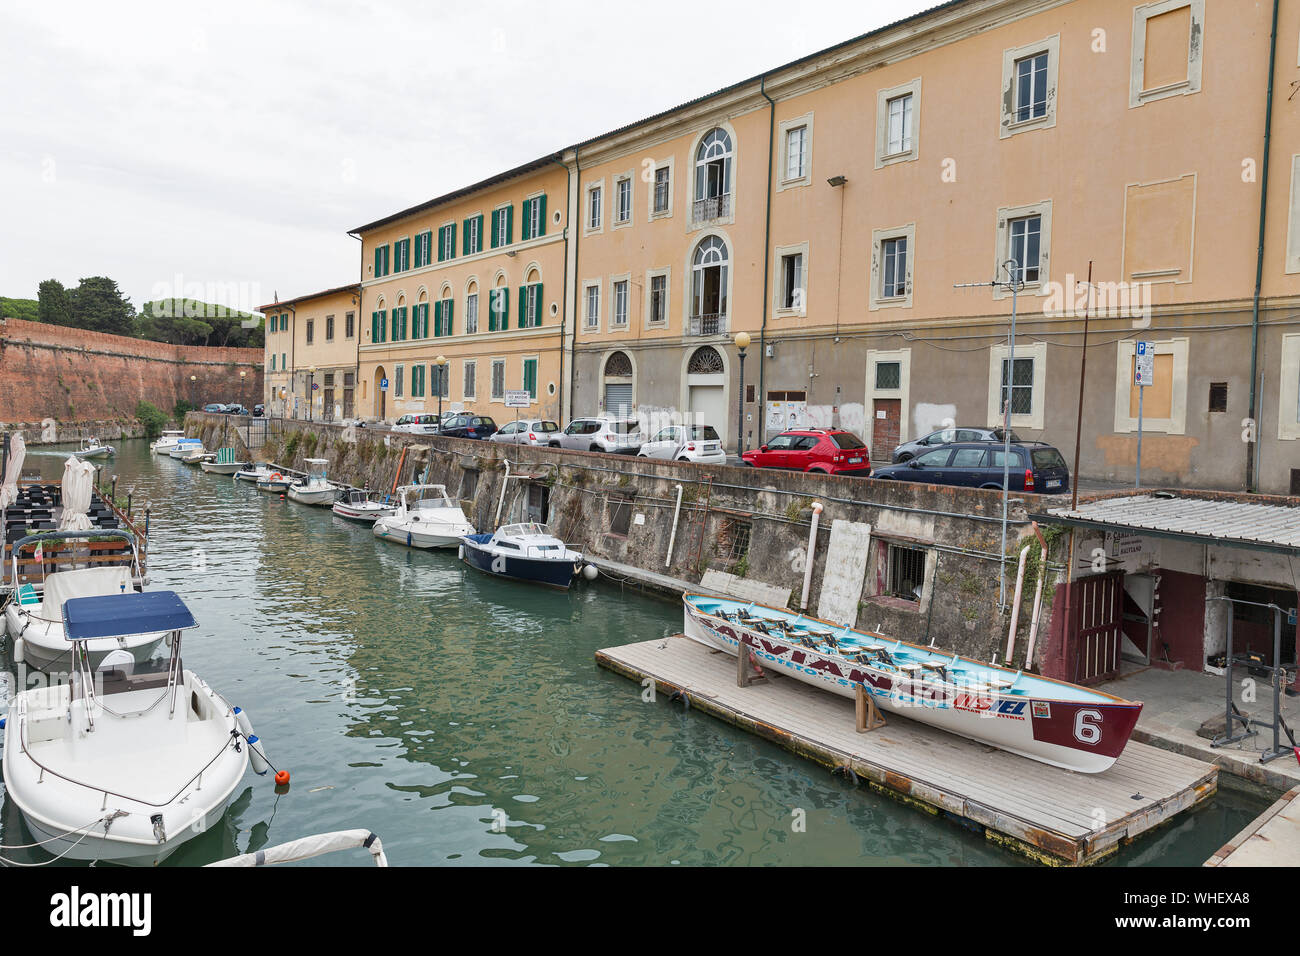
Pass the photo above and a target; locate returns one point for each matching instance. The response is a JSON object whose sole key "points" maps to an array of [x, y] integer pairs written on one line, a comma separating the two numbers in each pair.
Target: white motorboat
{"points": [[525, 552], [274, 482], [224, 464], [196, 456], [255, 473], [34, 619], [425, 518], [167, 441], [358, 505], [92, 448], [185, 446], [314, 489], [125, 765]]}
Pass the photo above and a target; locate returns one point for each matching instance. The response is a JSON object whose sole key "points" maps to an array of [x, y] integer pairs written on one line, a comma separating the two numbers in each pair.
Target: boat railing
{"points": [[70, 557]]}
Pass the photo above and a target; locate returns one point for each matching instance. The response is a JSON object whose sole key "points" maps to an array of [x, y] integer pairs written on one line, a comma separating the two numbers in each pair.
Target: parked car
{"points": [[465, 425], [1035, 467], [236, 410], [526, 432], [215, 408], [830, 451], [259, 410], [699, 443], [617, 436], [946, 436], [417, 424]]}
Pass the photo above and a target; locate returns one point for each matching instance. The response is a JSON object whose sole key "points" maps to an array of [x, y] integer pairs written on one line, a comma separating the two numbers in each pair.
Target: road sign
{"points": [[314, 386], [1144, 369], [519, 399], [383, 384]]}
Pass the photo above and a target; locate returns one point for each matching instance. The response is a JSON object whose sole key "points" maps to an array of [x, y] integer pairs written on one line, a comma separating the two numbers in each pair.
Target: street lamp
{"points": [[441, 362], [243, 392], [742, 343], [311, 390], [194, 390]]}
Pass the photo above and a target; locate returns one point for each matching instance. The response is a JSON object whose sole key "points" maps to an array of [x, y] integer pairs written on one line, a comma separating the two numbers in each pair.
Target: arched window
{"points": [[618, 364], [713, 176], [705, 361], [619, 387], [471, 307], [709, 287], [530, 299]]}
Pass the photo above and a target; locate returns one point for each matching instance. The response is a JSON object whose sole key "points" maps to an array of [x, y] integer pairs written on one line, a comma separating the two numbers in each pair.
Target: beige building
{"points": [[311, 355]]}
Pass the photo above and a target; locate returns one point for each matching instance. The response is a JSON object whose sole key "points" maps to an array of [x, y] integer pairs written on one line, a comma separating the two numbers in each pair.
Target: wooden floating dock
{"points": [[1054, 816], [1271, 839]]}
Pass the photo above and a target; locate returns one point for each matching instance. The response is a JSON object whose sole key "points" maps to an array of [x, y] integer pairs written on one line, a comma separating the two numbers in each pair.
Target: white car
{"points": [[611, 435], [686, 443], [526, 432], [419, 424]]}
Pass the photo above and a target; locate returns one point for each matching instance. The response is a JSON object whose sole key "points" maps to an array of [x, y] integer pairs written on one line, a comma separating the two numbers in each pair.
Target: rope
{"points": [[107, 821]]}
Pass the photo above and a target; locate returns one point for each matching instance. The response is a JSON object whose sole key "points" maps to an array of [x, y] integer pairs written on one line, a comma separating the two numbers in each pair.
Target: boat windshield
{"points": [[529, 529]]}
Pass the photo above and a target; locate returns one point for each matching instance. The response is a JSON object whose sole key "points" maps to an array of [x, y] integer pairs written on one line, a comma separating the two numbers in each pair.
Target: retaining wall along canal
{"points": [[916, 562]]}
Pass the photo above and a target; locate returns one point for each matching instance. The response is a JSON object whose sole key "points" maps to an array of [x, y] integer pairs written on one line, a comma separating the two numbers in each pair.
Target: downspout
{"points": [[564, 288], [361, 298], [577, 254], [767, 265], [293, 360], [1252, 449], [812, 554]]}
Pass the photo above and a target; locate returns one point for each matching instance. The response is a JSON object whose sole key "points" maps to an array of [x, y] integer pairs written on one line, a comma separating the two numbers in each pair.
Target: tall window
{"points": [[661, 188], [471, 311], [447, 242], [329, 328], [473, 235], [1031, 87], [713, 176], [531, 303], [468, 376], [530, 377], [498, 380], [796, 153], [1021, 386], [398, 373], [792, 281], [1024, 245], [709, 287], [623, 200], [591, 316], [311, 327], [349, 325], [620, 303], [535, 217], [658, 300], [893, 275], [593, 208], [900, 124], [501, 219]]}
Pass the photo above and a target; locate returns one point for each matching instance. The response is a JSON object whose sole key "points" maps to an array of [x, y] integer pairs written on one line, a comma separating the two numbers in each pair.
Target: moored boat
{"points": [[224, 464], [314, 489], [274, 482], [167, 441], [1046, 720], [93, 448], [424, 518], [185, 446], [358, 505], [124, 764], [523, 552], [255, 472]]}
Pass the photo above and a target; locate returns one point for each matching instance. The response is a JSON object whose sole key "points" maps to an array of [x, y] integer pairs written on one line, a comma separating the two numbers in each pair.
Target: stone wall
{"points": [[75, 376], [752, 523]]}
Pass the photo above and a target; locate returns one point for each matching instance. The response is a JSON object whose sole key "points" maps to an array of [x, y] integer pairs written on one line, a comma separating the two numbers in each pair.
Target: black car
{"points": [[469, 426], [1035, 467], [259, 410], [946, 436]]}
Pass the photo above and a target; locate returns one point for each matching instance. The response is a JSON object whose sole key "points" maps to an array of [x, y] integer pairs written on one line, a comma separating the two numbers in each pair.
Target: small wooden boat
{"points": [[224, 464], [424, 518], [167, 441], [358, 505], [314, 489], [92, 448], [124, 765], [1046, 720], [523, 552]]}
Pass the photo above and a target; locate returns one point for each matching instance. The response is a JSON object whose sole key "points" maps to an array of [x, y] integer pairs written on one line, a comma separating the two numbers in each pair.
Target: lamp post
{"points": [[284, 401], [311, 391], [742, 343], [194, 390], [441, 362], [243, 391]]}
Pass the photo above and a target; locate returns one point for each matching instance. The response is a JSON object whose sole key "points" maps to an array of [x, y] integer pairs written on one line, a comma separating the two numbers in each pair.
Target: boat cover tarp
{"points": [[17, 452], [308, 847], [78, 479], [123, 615], [62, 586]]}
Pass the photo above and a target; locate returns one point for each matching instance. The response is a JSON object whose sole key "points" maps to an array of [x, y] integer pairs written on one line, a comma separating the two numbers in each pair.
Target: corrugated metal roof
{"points": [[1234, 522]]}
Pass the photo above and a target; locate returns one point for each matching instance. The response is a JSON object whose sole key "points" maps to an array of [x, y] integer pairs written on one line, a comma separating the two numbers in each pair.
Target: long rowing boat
{"points": [[1047, 720]]}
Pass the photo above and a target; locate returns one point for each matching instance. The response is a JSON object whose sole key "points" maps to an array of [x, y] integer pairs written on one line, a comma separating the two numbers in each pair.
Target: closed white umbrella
{"points": [[17, 452], [78, 478]]}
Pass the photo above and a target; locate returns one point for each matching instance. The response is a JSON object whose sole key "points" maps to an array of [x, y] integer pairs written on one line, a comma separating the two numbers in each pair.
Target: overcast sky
{"points": [[233, 145]]}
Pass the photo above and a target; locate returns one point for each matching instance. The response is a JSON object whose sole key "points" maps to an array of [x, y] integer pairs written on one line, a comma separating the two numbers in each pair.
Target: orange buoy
{"points": [[282, 778]]}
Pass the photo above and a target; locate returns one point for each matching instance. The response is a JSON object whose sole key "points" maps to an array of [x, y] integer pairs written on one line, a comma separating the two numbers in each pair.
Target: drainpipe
{"points": [[1252, 449], [361, 300], [577, 256], [496, 522], [668, 559], [1038, 598], [767, 264], [812, 549], [564, 289]]}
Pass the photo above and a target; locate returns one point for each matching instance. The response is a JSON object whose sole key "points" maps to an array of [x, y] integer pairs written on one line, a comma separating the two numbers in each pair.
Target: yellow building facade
{"points": [[311, 355]]}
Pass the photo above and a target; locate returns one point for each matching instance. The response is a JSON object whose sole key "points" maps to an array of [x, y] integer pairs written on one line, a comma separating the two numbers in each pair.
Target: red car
{"points": [[826, 450]]}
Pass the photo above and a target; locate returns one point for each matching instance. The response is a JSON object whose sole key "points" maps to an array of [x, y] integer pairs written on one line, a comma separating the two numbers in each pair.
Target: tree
{"points": [[151, 417], [99, 305], [54, 303]]}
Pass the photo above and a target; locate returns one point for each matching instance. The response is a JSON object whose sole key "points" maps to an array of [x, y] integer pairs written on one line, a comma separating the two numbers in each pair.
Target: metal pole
{"points": [[1141, 392], [1006, 439], [1083, 374], [740, 409]]}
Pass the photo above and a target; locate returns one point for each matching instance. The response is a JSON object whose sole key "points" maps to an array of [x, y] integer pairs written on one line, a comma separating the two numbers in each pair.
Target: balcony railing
{"points": [[714, 207], [708, 323]]}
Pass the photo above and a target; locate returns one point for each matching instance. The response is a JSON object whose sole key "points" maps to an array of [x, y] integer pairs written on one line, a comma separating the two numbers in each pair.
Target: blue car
{"points": [[1035, 467]]}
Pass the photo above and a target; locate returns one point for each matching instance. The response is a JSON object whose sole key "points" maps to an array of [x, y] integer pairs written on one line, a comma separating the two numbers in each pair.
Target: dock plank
{"points": [[1050, 814]]}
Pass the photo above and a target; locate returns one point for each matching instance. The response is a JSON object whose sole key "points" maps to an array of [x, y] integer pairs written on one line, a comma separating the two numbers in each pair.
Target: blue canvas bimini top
{"points": [[123, 615]]}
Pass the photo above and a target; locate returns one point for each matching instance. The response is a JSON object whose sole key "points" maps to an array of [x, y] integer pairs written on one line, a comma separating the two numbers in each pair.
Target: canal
{"points": [[464, 720]]}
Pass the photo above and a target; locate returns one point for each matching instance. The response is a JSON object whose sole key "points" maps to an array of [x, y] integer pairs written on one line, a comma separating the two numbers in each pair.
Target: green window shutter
{"points": [[492, 239], [526, 223], [503, 321], [510, 224], [523, 306], [537, 306], [480, 233], [530, 376], [437, 318], [440, 240], [464, 240], [448, 312], [403, 323], [377, 262], [374, 326], [452, 227], [541, 214]]}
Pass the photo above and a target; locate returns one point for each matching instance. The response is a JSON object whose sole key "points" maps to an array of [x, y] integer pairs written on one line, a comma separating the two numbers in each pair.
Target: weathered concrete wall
{"points": [[751, 523], [54, 433], [72, 375]]}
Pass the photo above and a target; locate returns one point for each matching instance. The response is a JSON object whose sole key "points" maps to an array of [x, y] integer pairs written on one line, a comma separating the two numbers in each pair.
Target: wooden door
{"points": [[885, 428]]}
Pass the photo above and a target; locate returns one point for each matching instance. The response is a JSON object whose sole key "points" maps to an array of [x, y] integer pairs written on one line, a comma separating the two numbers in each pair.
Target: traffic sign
{"points": [[383, 384], [1144, 368], [519, 399]]}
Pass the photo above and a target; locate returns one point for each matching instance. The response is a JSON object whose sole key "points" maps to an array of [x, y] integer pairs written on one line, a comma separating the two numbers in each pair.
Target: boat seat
{"points": [[998, 683], [911, 670]]}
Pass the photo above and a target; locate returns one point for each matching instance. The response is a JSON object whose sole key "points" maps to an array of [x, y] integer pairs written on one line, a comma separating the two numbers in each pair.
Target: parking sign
{"points": [[1144, 368]]}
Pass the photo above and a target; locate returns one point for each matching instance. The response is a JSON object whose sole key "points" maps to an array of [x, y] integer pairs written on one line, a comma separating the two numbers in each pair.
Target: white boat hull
{"points": [[225, 468], [368, 515], [45, 645], [313, 496], [420, 534]]}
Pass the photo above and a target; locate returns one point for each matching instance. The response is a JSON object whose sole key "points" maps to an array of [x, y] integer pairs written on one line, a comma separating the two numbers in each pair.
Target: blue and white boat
{"points": [[523, 552], [185, 447]]}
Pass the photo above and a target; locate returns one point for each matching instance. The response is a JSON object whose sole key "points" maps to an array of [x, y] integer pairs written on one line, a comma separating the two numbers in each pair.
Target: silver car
{"points": [[686, 443], [615, 436], [526, 432]]}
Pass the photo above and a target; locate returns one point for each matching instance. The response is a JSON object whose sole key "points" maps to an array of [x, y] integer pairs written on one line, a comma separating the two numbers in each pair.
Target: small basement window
{"points": [[1218, 396], [905, 575], [620, 515]]}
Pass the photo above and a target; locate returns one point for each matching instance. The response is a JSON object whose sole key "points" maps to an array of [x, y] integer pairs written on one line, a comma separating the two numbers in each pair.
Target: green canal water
{"points": [[464, 719]]}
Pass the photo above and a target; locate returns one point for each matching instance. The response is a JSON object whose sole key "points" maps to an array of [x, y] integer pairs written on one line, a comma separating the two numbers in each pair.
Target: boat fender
{"points": [[590, 572], [245, 725], [19, 650], [844, 770], [255, 755], [408, 539], [460, 553], [680, 695]]}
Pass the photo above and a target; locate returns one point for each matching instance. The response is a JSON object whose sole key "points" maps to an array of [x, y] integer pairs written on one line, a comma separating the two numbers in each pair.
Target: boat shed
{"points": [[1159, 577]]}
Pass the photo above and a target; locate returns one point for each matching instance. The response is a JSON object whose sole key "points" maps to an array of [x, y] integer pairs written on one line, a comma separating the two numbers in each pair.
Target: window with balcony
{"points": [[713, 177], [709, 287]]}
